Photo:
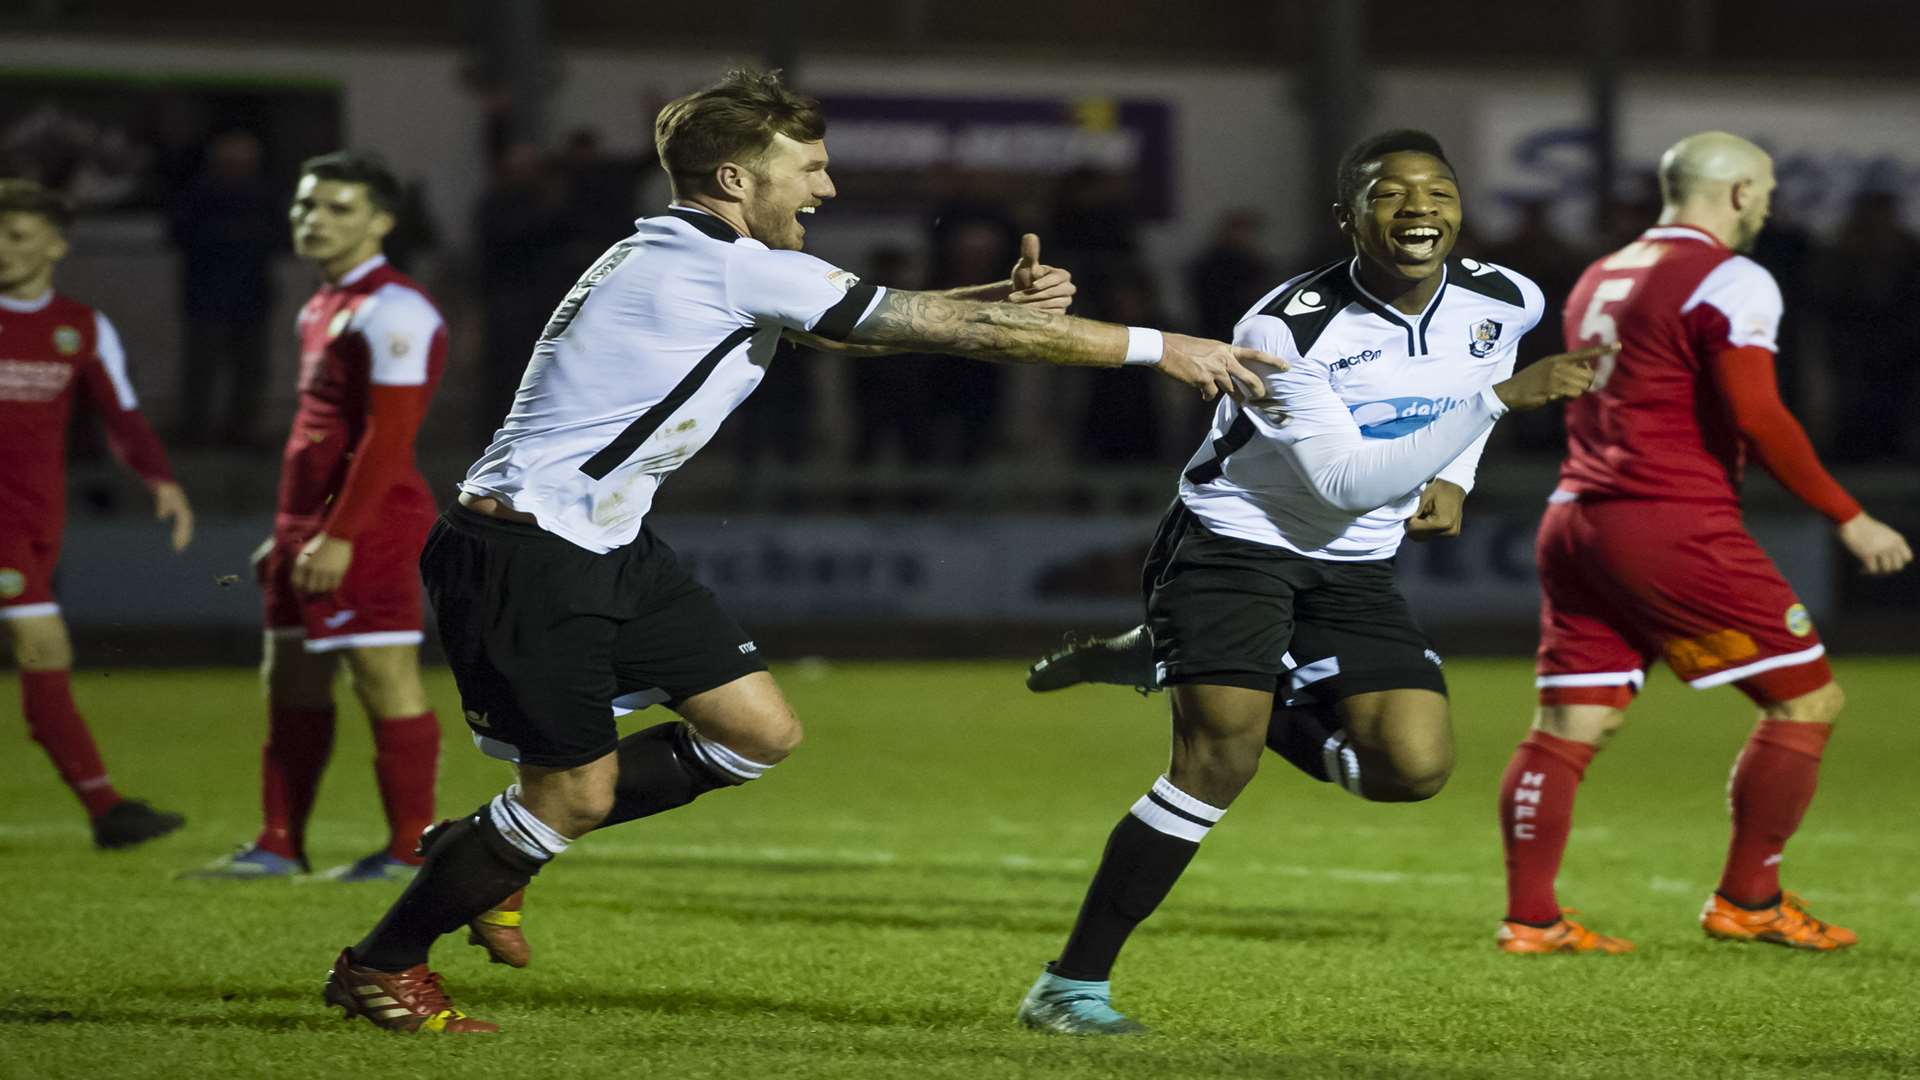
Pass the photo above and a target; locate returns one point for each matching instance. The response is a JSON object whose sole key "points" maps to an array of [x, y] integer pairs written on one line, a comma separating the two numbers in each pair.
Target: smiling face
{"points": [[30, 245], [1406, 217], [790, 179]]}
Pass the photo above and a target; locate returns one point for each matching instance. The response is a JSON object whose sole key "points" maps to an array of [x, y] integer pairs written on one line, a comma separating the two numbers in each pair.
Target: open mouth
{"points": [[1417, 243]]}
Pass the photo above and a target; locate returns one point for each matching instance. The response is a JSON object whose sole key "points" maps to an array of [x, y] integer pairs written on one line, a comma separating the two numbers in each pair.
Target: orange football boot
{"points": [[410, 1001], [1564, 936], [1786, 923], [498, 932]]}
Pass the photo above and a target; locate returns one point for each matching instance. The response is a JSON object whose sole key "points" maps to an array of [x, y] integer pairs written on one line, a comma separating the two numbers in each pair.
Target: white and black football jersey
{"points": [[662, 337], [1377, 402]]}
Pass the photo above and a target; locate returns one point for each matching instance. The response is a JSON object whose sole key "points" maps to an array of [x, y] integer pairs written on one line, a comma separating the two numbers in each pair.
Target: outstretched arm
{"points": [[929, 322], [1048, 288]]}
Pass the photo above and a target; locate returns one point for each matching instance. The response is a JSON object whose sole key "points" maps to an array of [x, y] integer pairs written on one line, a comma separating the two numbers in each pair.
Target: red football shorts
{"points": [[377, 603], [1626, 581], [26, 574]]}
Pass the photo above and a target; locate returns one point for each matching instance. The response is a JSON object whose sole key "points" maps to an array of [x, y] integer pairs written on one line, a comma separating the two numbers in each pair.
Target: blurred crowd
{"points": [[1847, 357]]}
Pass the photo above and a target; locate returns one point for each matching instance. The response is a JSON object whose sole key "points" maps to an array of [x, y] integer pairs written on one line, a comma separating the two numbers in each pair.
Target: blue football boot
{"points": [[248, 863], [378, 866], [1074, 1007]]}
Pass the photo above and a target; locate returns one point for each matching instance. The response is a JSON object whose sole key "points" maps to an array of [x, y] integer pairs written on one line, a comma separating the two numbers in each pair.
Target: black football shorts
{"points": [[1235, 613], [543, 635]]}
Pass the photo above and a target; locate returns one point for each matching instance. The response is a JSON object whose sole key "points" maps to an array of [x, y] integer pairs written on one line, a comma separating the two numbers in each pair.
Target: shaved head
{"points": [[1700, 164], [1718, 182]]}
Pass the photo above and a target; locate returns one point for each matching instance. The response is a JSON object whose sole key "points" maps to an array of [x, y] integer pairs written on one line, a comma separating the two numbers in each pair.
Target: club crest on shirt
{"points": [[339, 324], [66, 340], [12, 583], [399, 346], [1799, 623], [1486, 338], [842, 279]]}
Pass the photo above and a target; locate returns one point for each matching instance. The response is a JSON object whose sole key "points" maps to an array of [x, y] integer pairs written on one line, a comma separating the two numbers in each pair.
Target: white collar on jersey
{"points": [[24, 307], [361, 271], [1353, 274], [1680, 232]]}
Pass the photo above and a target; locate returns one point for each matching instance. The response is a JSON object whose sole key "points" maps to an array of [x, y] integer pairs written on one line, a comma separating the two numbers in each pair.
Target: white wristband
{"points": [[1144, 345]]}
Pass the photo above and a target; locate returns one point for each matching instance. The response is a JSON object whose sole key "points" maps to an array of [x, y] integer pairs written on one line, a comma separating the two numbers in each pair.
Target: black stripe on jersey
{"points": [[838, 322], [622, 447], [1237, 435], [706, 223], [1432, 306], [1306, 322], [1154, 797], [1485, 279]]}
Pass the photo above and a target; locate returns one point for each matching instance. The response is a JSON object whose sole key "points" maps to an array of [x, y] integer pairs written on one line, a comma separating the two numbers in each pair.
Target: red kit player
{"points": [[53, 349], [1643, 554], [341, 572]]}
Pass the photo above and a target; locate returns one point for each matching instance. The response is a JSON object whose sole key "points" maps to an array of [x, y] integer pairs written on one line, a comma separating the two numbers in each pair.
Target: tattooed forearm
{"points": [[930, 322]]}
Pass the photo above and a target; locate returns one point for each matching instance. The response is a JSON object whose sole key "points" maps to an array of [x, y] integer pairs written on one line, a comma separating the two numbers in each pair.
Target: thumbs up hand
{"points": [[1049, 288]]}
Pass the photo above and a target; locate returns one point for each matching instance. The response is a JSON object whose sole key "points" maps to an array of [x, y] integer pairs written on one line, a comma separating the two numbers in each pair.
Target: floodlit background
{"points": [[901, 536], [1176, 157]]}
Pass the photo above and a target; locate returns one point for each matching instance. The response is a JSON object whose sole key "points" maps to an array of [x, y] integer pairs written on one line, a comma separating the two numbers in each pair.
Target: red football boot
{"points": [[498, 932], [411, 1001]]}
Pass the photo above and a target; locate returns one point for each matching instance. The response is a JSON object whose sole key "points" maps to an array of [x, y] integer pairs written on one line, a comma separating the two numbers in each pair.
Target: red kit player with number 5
{"points": [[340, 572], [1643, 554]]}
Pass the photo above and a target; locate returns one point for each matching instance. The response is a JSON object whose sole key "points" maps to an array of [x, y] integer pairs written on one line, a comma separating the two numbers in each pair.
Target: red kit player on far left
{"points": [[341, 572], [53, 350]]}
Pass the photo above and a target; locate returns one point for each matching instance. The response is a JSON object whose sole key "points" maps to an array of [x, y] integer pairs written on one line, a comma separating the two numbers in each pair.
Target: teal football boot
{"points": [[1074, 1007]]}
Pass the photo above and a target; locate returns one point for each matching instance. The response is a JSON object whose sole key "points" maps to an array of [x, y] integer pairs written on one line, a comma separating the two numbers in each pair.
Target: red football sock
{"points": [[406, 758], [299, 742], [1536, 813], [53, 722], [1773, 782]]}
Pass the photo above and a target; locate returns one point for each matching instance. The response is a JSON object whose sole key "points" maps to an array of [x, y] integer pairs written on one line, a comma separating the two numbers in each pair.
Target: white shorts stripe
{"points": [[365, 641], [495, 748], [1308, 674], [639, 699], [1722, 678], [28, 611], [1635, 678]]}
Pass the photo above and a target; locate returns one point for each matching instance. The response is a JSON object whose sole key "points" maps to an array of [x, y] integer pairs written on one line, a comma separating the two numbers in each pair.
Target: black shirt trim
{"points": [[706, 223]]}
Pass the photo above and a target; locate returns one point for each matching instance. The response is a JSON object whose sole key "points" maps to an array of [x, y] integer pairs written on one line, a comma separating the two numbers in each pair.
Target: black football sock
{"points": [[1300, 733], [1145, 855], [670, 765], [473, 865]]}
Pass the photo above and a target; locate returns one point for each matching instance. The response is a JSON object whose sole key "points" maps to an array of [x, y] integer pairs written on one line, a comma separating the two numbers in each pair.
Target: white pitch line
{"points": [[868, 857]]}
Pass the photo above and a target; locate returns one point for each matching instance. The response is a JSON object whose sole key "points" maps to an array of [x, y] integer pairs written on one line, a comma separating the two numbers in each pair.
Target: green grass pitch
{"points": [[877, 906]]}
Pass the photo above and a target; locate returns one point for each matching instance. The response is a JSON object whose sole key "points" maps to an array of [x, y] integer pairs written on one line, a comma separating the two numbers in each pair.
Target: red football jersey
{"points": [[51, 350], [375, 327], [1654, 425]]}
